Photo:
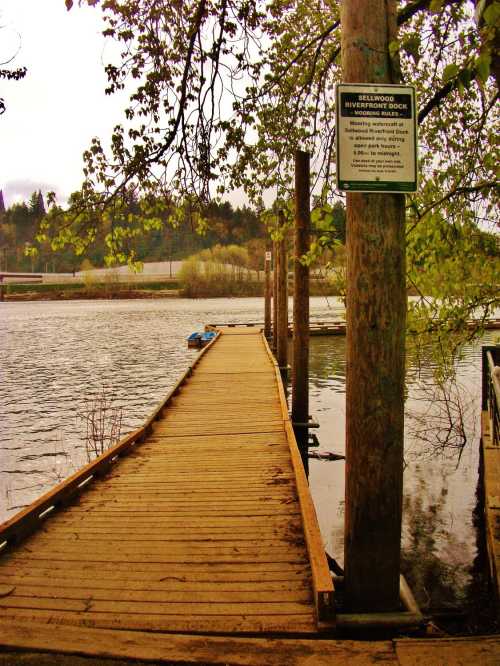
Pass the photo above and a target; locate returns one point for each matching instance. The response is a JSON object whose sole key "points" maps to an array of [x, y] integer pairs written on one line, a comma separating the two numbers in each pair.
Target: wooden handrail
{"points": [[322, 578], [30, 518]]}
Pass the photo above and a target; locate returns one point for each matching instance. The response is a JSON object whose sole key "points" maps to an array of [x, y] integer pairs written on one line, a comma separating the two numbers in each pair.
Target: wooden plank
{"points": [[194, 597], [282, 493], [166, 536], [278, 548], [163, 648], [201, 455], [126, 512], [140, 533], [167, 558], [154, 502], [122, 583], [219, 574], [192, 522], [150, 608], [484, 650], [271, 426], [200, 624]]}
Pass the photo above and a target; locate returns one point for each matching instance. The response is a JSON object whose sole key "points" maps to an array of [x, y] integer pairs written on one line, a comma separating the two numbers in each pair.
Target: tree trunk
{"points": [[376, 312]]}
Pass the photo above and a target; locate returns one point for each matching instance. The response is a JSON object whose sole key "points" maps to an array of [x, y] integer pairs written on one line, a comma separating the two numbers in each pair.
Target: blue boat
{"points": [[207, 337], [194, 340]]}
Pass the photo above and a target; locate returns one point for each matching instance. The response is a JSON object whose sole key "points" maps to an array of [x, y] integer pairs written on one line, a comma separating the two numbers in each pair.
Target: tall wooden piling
{"points": [[267, 292], [300, 363], [376, 310], [282, 341], [275, 295]]}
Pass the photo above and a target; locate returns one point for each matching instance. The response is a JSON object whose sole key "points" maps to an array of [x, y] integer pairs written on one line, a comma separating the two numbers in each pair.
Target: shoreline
{"points": [[60, 293], [91, 294]]}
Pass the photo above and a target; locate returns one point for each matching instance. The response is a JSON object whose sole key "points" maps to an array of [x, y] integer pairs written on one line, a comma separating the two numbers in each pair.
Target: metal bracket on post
{"points": [[310, 424]]}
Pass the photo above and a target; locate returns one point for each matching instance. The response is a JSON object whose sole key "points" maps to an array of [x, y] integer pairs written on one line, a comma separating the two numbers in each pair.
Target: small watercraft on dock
{"points": [[207, 337], [194, 340], [198, 340]]}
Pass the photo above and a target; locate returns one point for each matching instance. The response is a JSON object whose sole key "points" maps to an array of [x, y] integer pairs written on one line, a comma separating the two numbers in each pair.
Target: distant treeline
{"points": [[225, 226]]}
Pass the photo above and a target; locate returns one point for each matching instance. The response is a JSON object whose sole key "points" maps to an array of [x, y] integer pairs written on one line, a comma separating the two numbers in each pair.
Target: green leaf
{"points": [[436, 6], [315, 215], [393, 48], [491, 14], [450, 72], [483, 66], [465, 77], [412, 47]]}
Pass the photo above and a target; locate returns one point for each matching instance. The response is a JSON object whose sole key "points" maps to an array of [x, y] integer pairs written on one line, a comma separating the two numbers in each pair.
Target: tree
{"points": [[224, 91]]}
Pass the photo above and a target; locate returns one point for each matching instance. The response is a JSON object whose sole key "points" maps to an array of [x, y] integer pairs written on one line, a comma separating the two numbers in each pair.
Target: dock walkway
{"points": [[194, 540], [207, 526]]}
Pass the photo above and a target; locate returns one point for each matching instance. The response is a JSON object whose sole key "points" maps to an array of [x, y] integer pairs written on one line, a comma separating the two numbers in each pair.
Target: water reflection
{"points": [[441, 455], [436, 556]]}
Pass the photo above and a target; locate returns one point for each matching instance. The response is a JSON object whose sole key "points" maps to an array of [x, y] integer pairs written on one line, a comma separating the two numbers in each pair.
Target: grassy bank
{"points": [[213, 286], [94, 290]]}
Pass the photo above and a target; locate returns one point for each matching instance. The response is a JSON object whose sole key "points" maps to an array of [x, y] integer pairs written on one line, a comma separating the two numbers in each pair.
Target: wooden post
{"points": [[300, 364], [376, 312], [275, 295], [282, 341], [267, 293]]}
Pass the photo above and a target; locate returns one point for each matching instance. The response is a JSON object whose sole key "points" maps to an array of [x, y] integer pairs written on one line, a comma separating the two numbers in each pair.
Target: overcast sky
{"points": [[53, 112]]}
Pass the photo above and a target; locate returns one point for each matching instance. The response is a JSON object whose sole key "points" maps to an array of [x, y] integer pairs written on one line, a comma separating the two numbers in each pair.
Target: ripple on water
{"points": [[58, 355]]}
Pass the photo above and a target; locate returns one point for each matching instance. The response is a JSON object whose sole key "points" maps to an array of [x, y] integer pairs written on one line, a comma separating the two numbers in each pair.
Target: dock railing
{"points": [[491, 391]]}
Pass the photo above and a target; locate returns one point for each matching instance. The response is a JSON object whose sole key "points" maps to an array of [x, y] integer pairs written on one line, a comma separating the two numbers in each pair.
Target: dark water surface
{"points": [[56, 355]]}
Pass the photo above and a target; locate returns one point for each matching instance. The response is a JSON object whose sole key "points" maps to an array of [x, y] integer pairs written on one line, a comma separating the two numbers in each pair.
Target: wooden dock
{"points": [[194, 540], [335, 326], [316, 328], [207, 526]]}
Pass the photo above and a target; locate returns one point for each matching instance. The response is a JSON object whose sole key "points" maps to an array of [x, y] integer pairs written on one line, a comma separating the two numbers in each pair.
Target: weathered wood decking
{"points": [[200, 533], [205, 527]]}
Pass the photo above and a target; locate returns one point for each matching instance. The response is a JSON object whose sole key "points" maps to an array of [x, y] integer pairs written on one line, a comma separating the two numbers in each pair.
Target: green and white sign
{"points": [[376, 138]]}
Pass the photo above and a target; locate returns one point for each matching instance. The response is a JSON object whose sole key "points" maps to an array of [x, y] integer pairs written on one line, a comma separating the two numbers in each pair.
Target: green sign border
{"points": [[388, 186]]}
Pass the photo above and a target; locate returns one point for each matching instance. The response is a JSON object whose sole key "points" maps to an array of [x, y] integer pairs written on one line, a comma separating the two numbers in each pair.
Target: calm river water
{"points": [[57, 355]]}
